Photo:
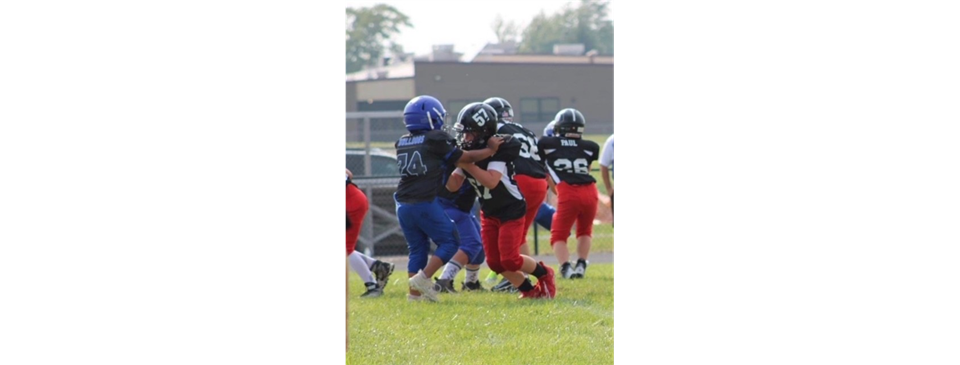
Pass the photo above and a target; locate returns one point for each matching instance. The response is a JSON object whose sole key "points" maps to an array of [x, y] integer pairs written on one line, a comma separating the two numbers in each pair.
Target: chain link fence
{"points": [[371, 156]]}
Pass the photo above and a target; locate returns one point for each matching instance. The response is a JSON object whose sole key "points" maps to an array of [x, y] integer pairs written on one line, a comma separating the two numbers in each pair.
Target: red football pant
{"points": [[501, 243], [534, 192], [574, 203], [356, 208]]}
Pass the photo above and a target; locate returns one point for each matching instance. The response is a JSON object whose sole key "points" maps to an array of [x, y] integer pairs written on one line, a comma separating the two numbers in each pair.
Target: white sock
{"points": [[473, 275], [358, 265], [366, 259], [450, 271]]}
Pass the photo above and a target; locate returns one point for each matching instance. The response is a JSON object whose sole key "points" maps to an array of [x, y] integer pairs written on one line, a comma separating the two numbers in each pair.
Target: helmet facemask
{"points": [[470, 138]]}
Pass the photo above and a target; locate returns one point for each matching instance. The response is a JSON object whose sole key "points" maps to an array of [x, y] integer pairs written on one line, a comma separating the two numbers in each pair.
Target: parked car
{"points": [[381, 163]]}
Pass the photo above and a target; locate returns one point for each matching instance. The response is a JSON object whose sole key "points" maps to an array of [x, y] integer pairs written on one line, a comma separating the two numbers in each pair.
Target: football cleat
{"points": [[422, 284], [444, 286], [474, 286], [505, 287], [580, 270], [382, 271], [566, 270], [536, 293], [373, 291], [548, 282]]}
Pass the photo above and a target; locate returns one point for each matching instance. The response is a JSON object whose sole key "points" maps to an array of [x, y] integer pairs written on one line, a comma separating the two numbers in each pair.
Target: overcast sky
{"points": [[466, 24]]}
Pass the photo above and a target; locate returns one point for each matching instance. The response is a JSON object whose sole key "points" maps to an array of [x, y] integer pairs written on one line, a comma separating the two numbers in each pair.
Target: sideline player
{"points": [[606, 168]]}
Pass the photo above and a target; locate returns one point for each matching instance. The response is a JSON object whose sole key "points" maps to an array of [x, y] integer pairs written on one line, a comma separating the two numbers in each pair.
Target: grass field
{"points": [[602, 240], [485, 328]]}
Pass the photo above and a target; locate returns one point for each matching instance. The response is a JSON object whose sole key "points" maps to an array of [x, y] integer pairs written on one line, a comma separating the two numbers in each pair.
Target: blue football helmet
{"points": [[424, 113], [548, 131]]}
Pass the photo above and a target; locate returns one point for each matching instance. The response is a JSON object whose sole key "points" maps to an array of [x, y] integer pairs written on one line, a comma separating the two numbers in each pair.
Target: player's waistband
{"points": [[577, 185], [414, 201]]}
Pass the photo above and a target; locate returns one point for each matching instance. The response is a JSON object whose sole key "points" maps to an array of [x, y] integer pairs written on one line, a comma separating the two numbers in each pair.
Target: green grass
{"points": [[602, 240], [485, 328]]}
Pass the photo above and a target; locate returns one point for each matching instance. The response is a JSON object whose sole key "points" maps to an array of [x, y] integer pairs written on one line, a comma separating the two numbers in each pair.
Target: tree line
{"points": [[372, 31]]}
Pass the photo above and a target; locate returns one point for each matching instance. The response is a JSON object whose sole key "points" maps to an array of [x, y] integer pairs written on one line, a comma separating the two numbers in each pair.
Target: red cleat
{"points": [[547, 282], [536, 293]]}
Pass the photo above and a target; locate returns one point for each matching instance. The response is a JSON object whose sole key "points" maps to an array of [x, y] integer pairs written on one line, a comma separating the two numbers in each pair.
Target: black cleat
{"points": [[474, 286], [382, 271], [373, 291], [444, 286], [566, 270], [580, 270], [505, 287]]}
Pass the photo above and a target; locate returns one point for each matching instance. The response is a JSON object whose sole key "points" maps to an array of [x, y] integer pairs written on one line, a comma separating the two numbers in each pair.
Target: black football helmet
{"points": [[478, 120], [502, 106], [569, 120]]}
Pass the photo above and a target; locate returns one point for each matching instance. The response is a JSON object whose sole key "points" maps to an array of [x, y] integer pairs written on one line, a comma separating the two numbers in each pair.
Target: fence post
{"points": [[366, 144], [536, 241], [368, 224]]}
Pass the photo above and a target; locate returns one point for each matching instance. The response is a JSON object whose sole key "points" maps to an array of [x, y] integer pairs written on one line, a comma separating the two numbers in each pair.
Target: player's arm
{"points": [[349, 174], [490, 178], [551, 184], [479, 155], [605, 174], [497, 167], [542, 146], [455, 180], [606, 160]]}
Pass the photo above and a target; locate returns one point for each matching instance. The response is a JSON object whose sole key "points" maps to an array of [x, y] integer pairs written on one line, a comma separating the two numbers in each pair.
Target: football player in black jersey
{"points": [[502, 207], [531, 176], [422, 157], [568, 162]]}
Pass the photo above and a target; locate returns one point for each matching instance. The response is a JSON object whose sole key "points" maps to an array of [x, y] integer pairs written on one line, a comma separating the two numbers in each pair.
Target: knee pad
{"points": [[495, 266], [417, 262], [445, 251], [514, 264], [477, 258]]}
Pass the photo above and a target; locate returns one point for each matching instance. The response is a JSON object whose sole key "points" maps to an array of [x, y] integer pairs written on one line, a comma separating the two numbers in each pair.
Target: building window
{"points": [[538, 109], [381, 105]]}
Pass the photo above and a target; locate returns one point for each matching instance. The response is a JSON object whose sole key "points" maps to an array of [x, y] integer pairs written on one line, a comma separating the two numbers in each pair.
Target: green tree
{"points": [[587, 23], [507, 31], [370, 33]]}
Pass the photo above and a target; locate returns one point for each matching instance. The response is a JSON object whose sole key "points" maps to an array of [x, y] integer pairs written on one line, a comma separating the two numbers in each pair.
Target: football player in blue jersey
{"points": [[423, 156]]}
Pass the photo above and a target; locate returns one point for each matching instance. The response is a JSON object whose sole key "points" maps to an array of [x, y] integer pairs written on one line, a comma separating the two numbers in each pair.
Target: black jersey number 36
{"points": [[528, 146]]}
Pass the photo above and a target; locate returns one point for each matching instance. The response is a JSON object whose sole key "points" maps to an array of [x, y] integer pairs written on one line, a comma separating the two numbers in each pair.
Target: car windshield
{"points": [[379, 165]]}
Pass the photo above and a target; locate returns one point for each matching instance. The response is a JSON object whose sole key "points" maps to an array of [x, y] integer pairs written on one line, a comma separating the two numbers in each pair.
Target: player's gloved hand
{"points": [[494, 142]]}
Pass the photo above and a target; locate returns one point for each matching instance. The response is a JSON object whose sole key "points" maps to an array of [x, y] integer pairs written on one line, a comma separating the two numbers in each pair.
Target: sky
{"points": [[461, 23]]}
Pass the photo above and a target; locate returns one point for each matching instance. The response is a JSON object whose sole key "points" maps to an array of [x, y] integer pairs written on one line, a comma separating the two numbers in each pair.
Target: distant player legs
{"points": [[563, 219], [357, 207], [470, 246], [587, 212], [534, 192]]}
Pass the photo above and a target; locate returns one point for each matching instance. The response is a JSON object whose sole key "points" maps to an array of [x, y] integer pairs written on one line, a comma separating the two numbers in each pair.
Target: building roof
{"points": [[500, 48], [395, 71], [543, 58], [406, 69]]}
